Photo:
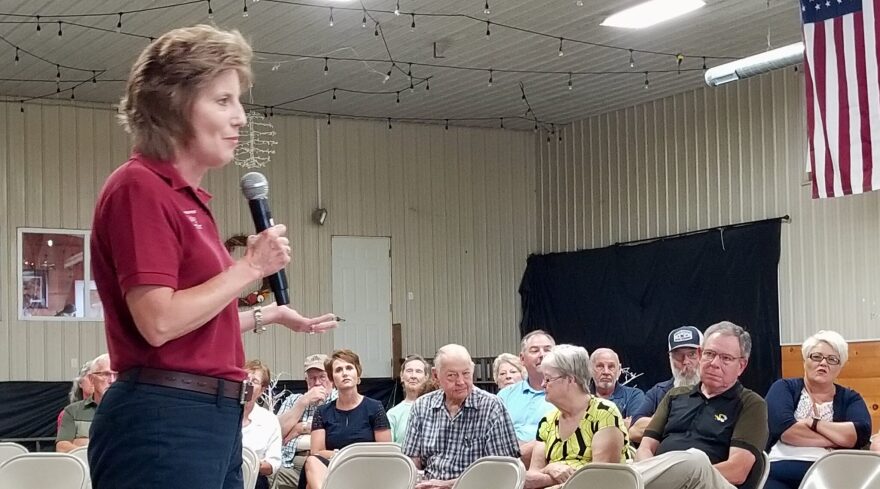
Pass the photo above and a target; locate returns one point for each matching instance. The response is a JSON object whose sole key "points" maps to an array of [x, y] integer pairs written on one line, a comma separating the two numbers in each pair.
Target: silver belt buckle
{"points": [[242, 398]]}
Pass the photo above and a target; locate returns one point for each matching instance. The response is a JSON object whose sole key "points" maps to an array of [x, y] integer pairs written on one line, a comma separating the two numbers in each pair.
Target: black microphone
{"points": [[255, 188]]}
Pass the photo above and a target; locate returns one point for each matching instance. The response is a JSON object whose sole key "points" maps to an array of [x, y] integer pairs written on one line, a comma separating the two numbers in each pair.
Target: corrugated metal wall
{"points": [[458, 205], [711, 157]]}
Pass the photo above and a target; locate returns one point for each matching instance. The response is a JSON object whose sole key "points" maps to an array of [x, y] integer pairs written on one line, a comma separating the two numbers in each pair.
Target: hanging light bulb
{"points": [[632, 61], [376, 31], [119, 21], [16, 54], [570, 85], [94, 77], [679, 58], [397, 8], [502, 123], [38, 25], [388, 74], [57, 72], [389, 123], [210, 10], [646, 80], [334, 94], [488, 32], [579, 3], [561, 54], [490, 79], [704, 64], [398, 97], [326, 67], [59, 29], [328, 119], [427, 84], [486, 8], [364, 20], [412, 27], [72, 95], [244, 12], [331, 16], [447, 124]]}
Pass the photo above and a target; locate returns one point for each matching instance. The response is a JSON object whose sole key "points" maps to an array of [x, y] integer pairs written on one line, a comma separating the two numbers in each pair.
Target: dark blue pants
{"points": [[146, 436], [787, 474]]}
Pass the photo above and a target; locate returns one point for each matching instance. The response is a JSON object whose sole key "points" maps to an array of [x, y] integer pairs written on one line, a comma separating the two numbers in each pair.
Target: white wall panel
{"points": [[712, 157], [458, 204]]}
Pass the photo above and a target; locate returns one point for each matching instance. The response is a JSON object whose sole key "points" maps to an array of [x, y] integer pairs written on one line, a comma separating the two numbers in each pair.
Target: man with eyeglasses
{"points": [[684, 361], [73, 432], [295, 416], [708, 436]]}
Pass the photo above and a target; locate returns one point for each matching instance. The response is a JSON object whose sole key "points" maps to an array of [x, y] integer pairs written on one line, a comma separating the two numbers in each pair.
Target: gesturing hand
{"points": [[297, 322], [269, 251]]}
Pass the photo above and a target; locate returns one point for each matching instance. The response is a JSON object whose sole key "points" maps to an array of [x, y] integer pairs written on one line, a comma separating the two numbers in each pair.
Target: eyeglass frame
{"points": [[709, 356], [827, 358], [106, 374], [547, 380]]}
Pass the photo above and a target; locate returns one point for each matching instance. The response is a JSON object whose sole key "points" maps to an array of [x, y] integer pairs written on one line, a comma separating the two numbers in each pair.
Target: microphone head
{"points": [[254, 186]]}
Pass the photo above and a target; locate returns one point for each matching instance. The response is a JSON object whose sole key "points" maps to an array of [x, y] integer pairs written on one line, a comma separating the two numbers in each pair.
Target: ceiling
{"points": [[286, 32]]}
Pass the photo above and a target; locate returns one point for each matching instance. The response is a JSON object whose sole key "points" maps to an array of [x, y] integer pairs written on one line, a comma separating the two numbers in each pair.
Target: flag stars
{"points": [[828, 3], [818, 6]]}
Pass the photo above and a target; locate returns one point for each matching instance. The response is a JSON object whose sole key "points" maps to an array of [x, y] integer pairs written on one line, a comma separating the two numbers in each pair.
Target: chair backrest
{"points": [[844, 468], [618, 476], [81, 453], [372, 470], [250, 467], [765, 470], [494, 472], [44, 470], [10, 449], [365, 447]]}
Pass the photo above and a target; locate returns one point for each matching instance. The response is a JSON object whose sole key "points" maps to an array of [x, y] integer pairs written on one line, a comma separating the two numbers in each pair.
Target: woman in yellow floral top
{"points": [[582, 429]]}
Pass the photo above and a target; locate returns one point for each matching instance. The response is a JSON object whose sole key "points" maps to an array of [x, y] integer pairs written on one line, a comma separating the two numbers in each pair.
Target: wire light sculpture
{"points": [[257, 143]]}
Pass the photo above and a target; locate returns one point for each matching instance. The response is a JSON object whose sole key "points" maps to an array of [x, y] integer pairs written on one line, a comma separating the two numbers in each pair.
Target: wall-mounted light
{"points": [[319, 216]]}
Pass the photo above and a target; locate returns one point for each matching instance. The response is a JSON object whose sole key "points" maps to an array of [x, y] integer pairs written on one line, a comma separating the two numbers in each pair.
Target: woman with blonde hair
{"points": [[507, 369], [168, 285], [810, 415]]}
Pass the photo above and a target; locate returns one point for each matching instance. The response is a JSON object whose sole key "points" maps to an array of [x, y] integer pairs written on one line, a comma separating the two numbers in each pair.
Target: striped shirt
{"points": [[446, 445], [288, 451]]}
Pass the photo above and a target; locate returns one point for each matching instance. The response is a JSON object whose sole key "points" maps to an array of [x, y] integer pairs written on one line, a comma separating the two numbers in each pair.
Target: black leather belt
{"points": [[242, 391]]}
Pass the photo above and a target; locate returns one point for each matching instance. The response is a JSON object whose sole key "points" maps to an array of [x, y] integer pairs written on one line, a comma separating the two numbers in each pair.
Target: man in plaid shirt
{"points": [[449, 429], [295, 416]]}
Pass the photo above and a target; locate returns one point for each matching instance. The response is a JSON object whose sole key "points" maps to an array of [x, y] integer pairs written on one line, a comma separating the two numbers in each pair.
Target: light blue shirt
{"points": [[526, 407]]}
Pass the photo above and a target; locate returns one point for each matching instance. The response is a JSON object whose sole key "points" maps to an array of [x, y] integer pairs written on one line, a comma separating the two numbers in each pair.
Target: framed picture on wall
{"points": [[35, 291]]}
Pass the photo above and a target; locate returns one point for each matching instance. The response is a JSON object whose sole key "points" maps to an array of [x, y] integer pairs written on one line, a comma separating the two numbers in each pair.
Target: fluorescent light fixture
{"points": [[652, 12], [756, 65]]}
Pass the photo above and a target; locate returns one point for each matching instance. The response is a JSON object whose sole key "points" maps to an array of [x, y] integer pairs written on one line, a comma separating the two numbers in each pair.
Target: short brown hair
{"points": [[345, 355], [165, 79], [260, 367]]}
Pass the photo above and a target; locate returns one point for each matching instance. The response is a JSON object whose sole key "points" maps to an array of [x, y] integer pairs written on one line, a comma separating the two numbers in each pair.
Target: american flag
{"points": [[843, 95]]}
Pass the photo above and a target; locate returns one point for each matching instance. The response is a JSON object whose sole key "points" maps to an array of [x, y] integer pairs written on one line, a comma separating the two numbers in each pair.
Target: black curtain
{"points": [[629, 297]]}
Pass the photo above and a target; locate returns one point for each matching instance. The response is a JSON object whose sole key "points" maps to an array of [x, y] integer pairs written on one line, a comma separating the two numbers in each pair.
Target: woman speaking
{"points": [[168, 285]]}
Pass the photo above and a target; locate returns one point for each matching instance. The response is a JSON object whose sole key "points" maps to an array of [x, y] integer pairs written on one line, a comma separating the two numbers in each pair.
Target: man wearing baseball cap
{"points": [[684, 360], [295, 416]]}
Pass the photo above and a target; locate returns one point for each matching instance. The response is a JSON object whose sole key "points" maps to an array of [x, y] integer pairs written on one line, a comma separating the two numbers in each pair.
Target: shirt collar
{"points": [[165, 170], [440, 398], [730, 393], [90, 401], [527, 388]]}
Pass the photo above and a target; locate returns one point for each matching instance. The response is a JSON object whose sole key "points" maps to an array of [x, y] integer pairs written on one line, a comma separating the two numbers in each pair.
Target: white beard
{"points": [[682, 380]]}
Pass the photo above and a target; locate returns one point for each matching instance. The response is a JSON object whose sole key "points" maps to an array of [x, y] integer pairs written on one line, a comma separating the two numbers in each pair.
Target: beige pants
{"points": [[288, 477], [690, 469]]}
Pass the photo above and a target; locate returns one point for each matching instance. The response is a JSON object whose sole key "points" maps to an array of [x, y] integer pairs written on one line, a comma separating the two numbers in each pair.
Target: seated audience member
{"points": [[606, 372], [450, 428], [295, 415], [260, 430], [582, 429], [710, 435], [507, 370], [79, 390], [77, 417], [524, 400], [351, 418], [811, 415], [684, 361], [416, 381]]}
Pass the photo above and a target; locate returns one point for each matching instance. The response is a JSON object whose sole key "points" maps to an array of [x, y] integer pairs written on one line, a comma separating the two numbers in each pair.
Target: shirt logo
{"points": [[191, 215], [721, 417]]}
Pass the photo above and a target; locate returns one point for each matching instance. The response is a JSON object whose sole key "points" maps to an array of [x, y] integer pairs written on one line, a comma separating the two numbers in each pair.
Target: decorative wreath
{"points": [[251, 298]]}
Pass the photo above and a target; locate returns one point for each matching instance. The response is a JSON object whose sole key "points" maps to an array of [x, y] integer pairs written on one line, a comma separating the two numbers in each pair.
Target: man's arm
{"points": [[65, 446], [737, 466], [290, 414], [647, 449], [637, 429], [66, 439]]}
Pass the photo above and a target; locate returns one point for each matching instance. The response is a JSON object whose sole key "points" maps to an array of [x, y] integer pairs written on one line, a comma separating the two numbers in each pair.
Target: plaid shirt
{"points": [[446, 445], [288, 451]]}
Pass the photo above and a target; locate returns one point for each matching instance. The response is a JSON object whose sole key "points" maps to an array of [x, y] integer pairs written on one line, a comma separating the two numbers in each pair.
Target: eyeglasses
{"points": [[679, 356], [709, 356], [547, 380], [107, 374], [818, 357]]}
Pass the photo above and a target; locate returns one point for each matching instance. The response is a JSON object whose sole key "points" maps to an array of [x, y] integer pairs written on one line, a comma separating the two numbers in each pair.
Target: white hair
{"points": [[833, 339], [451, 350], [572, 361]]}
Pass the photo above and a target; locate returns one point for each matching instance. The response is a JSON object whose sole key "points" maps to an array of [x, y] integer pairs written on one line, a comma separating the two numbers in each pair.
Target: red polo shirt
{"points": [[152, 228]]}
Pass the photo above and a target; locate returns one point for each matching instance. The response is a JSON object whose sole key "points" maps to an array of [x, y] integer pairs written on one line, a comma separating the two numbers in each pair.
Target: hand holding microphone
{"points": [[269, 249]]}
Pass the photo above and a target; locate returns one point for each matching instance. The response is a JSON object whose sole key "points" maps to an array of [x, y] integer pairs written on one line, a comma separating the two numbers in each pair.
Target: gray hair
{"points": [[102, 358], [833, 339], [506, 358], [727, 328], [570, 360], [76, 392], [451, 350], [537, 332]]}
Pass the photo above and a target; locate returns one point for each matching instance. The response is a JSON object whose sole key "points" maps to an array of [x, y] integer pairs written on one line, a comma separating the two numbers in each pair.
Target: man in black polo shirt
{"points": [[708, 436]]}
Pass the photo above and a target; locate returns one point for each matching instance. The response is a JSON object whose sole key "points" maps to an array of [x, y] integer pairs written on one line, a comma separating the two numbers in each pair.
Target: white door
{"points": [[362, 295]]}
